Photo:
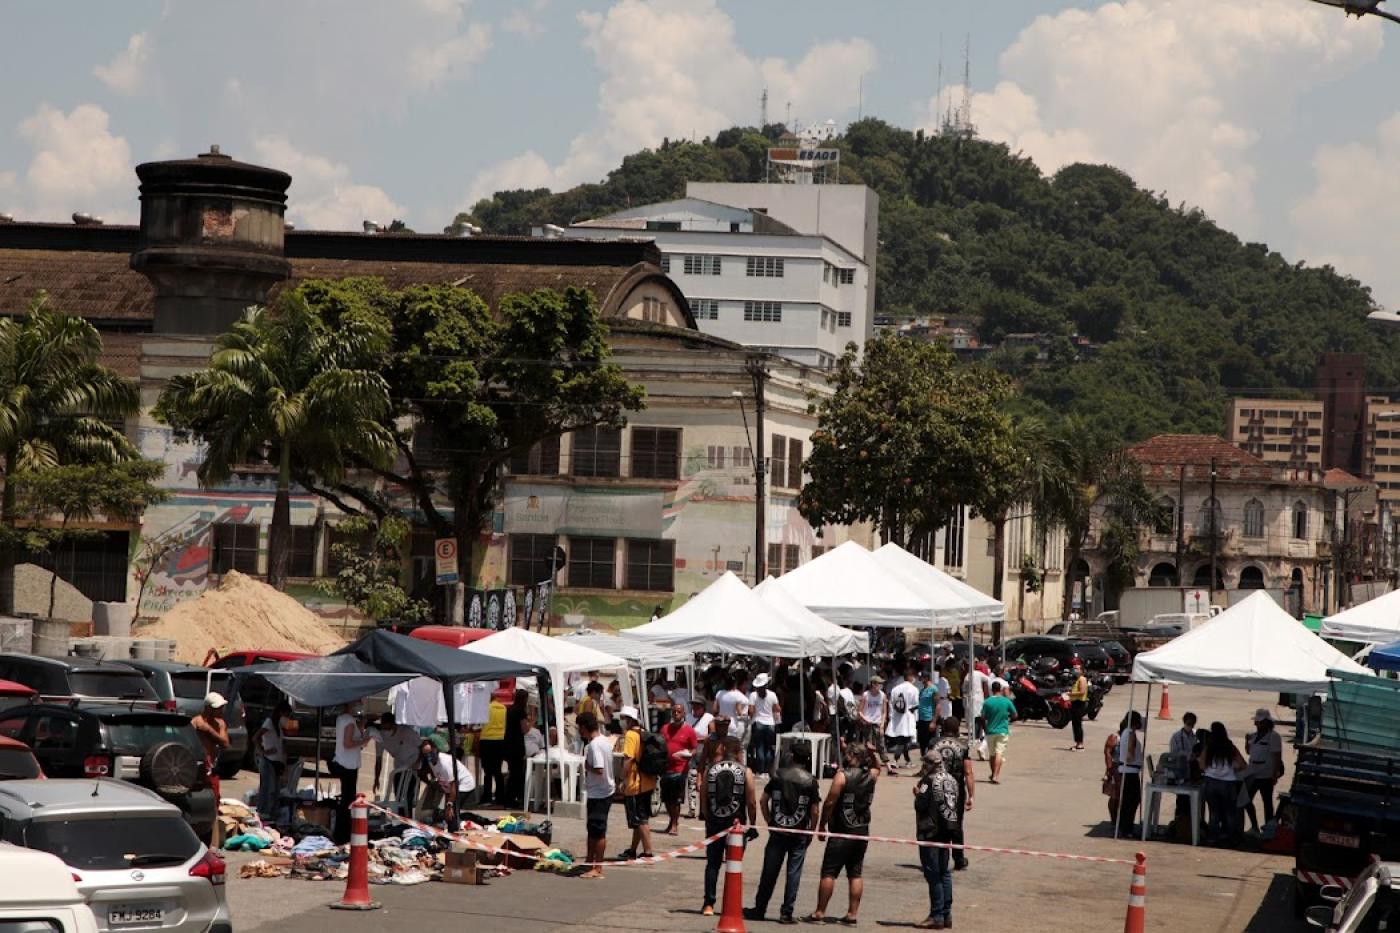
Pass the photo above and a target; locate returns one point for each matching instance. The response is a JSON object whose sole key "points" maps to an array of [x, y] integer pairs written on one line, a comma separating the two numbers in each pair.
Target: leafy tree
{"points": [[285, 386], [55, 399], [369, 571], [60, 502], [481, 385], [907, 436]]}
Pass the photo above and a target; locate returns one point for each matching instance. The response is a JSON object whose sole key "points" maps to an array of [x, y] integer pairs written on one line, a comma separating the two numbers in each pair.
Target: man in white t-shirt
{"points": [[902, 726], [733, 704], [581, 685], [700, 718], [764, 708], [944, 709], [977, 686], [598, 789]]}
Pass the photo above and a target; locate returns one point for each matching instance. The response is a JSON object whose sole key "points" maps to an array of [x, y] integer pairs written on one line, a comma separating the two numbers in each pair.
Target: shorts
{"points": [[845, 854], [673, 787], [996, 745], [597, 816], [638, 809]]}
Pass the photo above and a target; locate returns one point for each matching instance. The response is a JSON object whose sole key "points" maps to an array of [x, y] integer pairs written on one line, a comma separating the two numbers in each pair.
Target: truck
{"points": [[1345, 795], [1137, 607]]}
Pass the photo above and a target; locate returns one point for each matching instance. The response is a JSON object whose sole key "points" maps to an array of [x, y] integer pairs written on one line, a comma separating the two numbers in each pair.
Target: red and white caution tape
{"points": [[515, 853], [995, 850]]}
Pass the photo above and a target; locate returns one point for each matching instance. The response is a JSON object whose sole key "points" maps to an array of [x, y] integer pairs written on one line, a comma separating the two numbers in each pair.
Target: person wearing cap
{"points": [[872, 712], [636, 786], [1264, 749], [763, 733], [1078, 703], [681, 743], [938, 811], [901, 725], [212, 730], [700, 718]]}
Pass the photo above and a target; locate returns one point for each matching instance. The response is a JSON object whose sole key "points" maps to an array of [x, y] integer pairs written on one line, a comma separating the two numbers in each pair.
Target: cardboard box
{"points": [[527, 846], [460, 867]]}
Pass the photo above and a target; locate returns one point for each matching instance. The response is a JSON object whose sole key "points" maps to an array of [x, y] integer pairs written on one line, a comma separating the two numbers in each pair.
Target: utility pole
{"points": [[1214, 520], [1180, 518], [759, 375]]}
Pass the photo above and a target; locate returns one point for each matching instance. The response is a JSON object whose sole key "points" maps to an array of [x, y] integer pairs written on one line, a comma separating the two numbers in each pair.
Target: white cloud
{"points": [[1175, 92], [126, 72], [673, 69], [1351, 218], [322, 196], [77, 164], [431, 65], [527, 22]]}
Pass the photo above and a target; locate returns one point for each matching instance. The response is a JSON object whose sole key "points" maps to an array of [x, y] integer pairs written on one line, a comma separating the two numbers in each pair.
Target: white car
{"points": [[131, 854], [39, 894]]}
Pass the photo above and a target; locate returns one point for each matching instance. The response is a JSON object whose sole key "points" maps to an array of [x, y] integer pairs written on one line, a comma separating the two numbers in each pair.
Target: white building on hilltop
{"points": [[785, 268]]}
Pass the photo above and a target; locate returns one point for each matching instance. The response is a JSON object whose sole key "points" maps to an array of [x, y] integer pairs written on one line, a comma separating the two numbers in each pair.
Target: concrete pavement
{"points": [[1049, 800]]}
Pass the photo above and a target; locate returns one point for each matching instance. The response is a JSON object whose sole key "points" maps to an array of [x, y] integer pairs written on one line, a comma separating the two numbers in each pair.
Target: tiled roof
{"points": [[1339, 477], [1165, 455], [95, 285], [122, 353]]}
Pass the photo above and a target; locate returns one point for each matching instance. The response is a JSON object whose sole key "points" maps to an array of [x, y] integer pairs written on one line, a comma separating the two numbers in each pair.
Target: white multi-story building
{"points": [[770, 273]]}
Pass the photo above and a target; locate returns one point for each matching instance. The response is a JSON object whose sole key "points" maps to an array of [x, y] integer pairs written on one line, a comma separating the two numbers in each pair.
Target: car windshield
{"points": [[134, 735], [1112, 647], [1088, 651], [194, 685], [126, 685], [17, 764], [111, 843]]}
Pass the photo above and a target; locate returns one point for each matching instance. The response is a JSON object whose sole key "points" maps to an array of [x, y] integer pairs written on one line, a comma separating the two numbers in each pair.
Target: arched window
{"points": [[1254, 519], [1300, 520], [1210, 520], [1166, 520], [1163, 574], [1251, 578]]}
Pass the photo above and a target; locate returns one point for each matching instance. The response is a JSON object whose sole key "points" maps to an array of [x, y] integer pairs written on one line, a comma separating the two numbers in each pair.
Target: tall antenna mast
{"points": [[938, 95], [763, 109], [966, 120]]}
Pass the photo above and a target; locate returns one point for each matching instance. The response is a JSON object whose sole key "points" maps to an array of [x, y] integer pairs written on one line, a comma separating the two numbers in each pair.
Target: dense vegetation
{"points": [[1184, 313]]}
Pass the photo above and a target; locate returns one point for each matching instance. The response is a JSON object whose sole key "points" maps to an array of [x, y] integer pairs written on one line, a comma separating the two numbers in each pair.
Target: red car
{"points": [[17, 761]]}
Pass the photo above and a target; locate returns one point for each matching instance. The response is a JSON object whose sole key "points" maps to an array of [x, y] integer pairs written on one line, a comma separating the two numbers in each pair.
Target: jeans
{"points": [[349, 778], [493, 784], [1265, 789], [925, 734], [1222, 799], [763, 741], [781, 846], [938, 873], [270, 787], [1076, 720], [714, 858], [1130, 796]]}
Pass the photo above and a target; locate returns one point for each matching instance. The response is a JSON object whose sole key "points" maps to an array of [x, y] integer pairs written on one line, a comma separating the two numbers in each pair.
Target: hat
{"points": [[630, 712], [1075, 663], [760, 681], [877, 679], [698, 701], [932, 757], [215, 700], [1263, 715]]}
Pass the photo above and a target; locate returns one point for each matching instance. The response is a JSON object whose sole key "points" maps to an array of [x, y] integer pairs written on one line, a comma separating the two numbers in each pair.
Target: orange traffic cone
{"points": [[357, 881], [1136, 921], [731, 919], [1165, 710]]}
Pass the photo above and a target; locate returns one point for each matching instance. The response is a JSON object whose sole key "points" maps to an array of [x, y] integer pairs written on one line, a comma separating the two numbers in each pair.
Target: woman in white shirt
{"points": [[1130, 773], [451, 771], [765, 710], [272, 764], [1221, 764], [350, 740]]}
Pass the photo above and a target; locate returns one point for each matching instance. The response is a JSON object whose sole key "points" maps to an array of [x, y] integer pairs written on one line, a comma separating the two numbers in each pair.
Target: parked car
{"points": [[129, 852], [1031, 648], [182, 689], [1371, 904], [39, 894], [17, 761], [153, 748], [1122, 659], [81, 679]]}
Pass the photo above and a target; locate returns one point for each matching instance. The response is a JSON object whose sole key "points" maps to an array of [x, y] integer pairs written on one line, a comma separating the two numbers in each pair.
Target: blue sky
{"points": [[1268, 114]]}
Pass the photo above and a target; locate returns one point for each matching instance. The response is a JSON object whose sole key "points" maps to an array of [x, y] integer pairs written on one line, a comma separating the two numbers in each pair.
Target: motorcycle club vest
{"points": [[853, 809], [725, 791]]}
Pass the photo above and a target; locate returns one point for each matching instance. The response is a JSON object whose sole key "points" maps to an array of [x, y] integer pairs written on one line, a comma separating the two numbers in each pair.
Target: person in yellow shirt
{"points": [[493, 753], [637, 787], [1078, 701], [953, 671]]}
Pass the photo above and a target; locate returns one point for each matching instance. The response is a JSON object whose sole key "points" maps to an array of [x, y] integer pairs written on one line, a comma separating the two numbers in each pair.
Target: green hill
{"points": [[1184, 313]]}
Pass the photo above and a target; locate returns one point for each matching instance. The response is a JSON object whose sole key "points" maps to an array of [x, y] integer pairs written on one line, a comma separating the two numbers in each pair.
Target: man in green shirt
{"points": [[998, 711]]}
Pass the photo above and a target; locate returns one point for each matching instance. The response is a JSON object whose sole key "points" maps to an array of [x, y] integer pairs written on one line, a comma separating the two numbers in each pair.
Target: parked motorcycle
{"points": [[1038, 694]]}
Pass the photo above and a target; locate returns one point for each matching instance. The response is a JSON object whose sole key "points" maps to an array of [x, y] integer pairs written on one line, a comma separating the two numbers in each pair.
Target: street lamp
{"points": [[1360, 8]]}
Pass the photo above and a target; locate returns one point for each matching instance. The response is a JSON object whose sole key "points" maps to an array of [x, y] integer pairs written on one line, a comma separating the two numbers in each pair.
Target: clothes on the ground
{"points": [[997, 711], [598, 754], [635, 782]]}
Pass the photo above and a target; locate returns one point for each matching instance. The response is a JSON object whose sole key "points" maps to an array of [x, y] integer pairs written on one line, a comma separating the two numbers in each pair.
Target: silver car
{"points": [[133, 856]]}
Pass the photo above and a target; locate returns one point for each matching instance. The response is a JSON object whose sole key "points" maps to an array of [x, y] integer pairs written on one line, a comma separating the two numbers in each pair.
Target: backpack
{"points": [[654, 758], [899, 704]]}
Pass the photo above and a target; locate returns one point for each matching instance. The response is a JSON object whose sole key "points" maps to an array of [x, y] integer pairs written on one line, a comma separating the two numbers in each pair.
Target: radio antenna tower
{"points": [[763, 109], [957, 119]]}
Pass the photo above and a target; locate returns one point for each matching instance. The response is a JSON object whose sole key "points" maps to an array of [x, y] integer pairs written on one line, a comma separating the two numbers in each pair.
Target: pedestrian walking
{"points": [[957, 762], [945, 694], [928, 701], [726, 795], [598, 789], [937, 812], [765, 712], [1078, 703], [1221, 765], [1129, 773], [637, 786], [1264, 750], [792, 800], [846, 810], [998, 711], [901, 727], [977, 686]]}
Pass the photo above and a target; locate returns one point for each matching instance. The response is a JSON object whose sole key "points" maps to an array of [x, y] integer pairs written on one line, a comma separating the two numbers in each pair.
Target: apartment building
{"points": [[1287, 431]]}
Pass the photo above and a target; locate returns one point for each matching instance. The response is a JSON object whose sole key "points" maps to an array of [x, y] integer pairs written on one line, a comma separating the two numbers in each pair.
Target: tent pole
{"points": [[544, 711], [316, 765], [802, 690], [448, 695], [1118, 813]]}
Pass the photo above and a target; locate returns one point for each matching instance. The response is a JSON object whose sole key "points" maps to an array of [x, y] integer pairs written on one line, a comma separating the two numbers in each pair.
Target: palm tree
{"points": [[54, 397], [284, 386]]}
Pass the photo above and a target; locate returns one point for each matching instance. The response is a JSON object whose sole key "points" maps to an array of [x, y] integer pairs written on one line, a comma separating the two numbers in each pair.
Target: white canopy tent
{"points": [[1374, 622], [642, 656], [848, 586], [955, 603], [1253, 645], [725, 617], [820, 636]]}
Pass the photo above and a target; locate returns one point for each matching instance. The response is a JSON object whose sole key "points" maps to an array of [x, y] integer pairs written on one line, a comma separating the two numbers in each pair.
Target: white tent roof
{"points": [[726, 616], [1253, 645], [822, 637], [559, 656], [1375, 621], [643, 653], [954, 602], [847, 586]]}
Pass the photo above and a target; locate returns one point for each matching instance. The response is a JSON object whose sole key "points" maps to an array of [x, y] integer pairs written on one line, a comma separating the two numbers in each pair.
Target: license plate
{"points": [[131, 914], [1339, 839]]}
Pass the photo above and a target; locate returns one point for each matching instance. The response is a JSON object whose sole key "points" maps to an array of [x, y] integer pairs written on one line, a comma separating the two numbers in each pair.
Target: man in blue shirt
{"points": [[928, 700]]}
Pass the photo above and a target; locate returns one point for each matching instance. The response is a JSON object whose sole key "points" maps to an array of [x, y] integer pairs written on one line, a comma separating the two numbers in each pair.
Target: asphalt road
{"points": [[1049, 800]]}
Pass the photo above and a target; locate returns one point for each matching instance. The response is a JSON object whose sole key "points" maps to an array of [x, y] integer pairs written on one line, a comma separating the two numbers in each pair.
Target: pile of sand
{"points": [[242, 614]]}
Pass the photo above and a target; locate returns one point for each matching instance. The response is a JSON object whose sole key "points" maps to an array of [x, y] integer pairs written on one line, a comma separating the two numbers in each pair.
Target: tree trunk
{"points": [[998, 564], [279, 535], [1074, 551]]}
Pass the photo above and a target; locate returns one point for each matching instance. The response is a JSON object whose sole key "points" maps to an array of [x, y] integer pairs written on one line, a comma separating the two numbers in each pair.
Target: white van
{"points": [[39, 893]]}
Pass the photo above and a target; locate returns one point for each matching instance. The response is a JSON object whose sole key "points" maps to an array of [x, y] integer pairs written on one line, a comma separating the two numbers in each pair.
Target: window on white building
{"points": [[702, 265], [1300, 520], [770, 311], [666, 264], [1254, 519], [953, 540], [848, 276], [705, 309], [763, 267], [843, 319], [714, 456]]}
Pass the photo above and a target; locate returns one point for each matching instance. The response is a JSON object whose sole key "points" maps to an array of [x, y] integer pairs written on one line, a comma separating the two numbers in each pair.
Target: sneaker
{"points": [[787, 919], [753, 913], [708, 910]]}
